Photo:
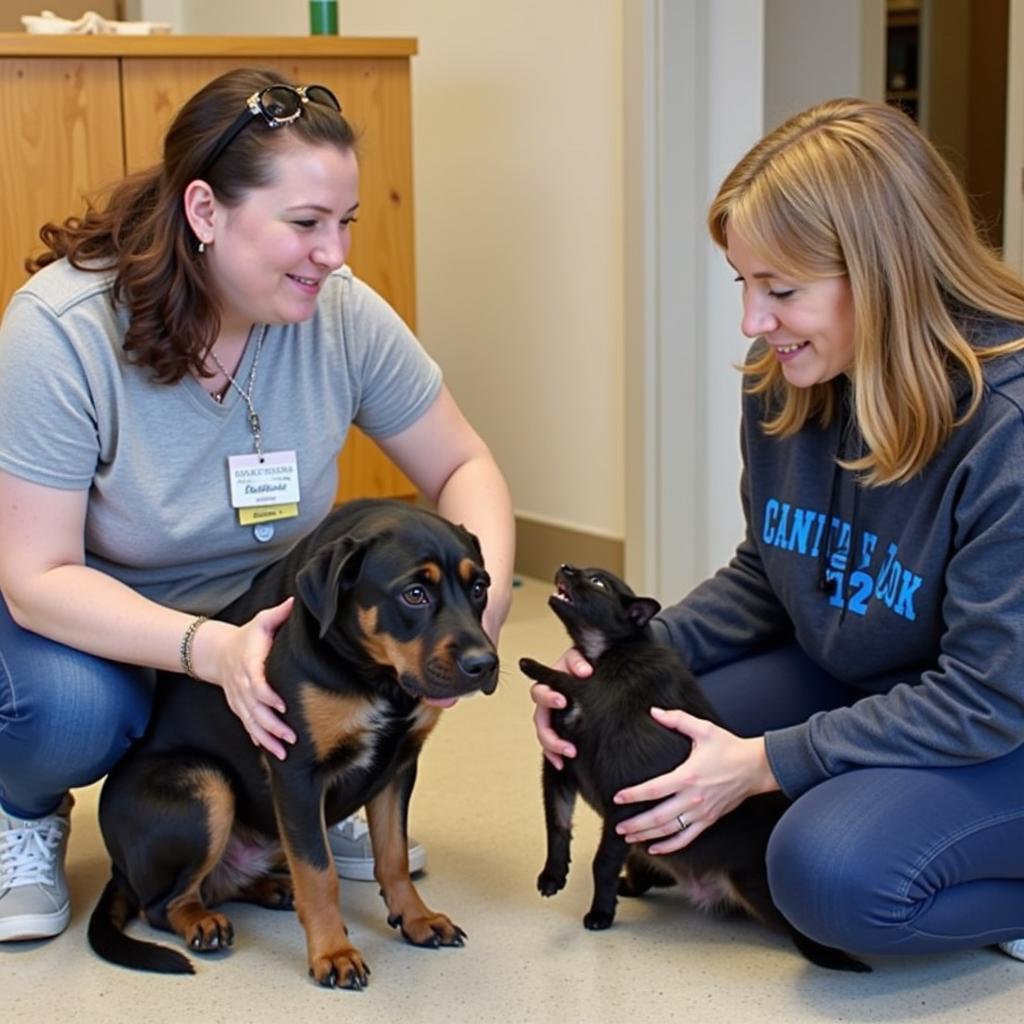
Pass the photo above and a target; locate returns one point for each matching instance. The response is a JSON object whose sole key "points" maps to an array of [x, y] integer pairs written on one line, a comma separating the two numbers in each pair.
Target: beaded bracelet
{"points": [[185, 650]]}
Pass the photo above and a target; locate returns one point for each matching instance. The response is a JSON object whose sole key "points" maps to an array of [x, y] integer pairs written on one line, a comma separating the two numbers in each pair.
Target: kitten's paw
{"points": [[549, 882], [627, 887]]}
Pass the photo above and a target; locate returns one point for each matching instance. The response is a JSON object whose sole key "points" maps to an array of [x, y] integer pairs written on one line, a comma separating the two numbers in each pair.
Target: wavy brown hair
{"points": [[851, 188], [142, 232]]}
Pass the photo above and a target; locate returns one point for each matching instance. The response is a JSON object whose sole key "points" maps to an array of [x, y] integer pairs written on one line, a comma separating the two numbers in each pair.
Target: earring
{"points": [[202, 248]]}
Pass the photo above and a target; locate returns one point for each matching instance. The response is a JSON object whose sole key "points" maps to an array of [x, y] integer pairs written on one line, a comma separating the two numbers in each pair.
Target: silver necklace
{"points": [[254, 420]]}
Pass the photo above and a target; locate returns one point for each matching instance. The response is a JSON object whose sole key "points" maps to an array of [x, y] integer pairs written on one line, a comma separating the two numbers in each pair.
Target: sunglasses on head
{"points": [[277, 105]]}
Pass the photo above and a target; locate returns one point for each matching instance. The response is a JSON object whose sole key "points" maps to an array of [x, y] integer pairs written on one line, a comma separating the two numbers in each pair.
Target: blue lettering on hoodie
{"points": [[874, 574]]}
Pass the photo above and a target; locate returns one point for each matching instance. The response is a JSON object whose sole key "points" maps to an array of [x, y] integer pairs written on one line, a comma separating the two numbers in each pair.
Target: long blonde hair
{"points": [[851, 188]]}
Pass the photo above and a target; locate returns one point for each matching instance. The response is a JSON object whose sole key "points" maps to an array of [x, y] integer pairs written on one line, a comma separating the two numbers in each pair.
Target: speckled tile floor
{"points": [[477, 809]]}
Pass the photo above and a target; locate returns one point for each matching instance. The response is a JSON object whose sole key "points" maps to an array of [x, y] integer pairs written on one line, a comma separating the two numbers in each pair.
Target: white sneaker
{"points": [[353, 853], [1014, 948], [34, 901]]}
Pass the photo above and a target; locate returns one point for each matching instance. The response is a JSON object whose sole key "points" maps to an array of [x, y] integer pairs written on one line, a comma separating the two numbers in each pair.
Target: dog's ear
{"points": [[320, 580], [641, 610], [472, 540]]}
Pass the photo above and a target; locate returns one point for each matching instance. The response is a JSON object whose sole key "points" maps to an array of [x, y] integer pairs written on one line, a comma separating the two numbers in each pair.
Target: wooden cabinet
{"points": [[80, 111]]}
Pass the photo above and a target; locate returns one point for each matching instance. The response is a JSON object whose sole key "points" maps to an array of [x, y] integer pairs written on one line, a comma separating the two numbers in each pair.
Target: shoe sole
{"points": [[25, 927], [361, 869]]}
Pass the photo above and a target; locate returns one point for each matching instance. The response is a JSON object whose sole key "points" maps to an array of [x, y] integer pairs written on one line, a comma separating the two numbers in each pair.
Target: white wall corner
{"points": [[664, 89], [640, 265], [820, 50], [873, 15], [693, 88]]}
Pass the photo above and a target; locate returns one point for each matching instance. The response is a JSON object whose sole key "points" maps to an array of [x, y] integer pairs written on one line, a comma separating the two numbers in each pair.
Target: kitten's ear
{"points": [[641, 610]]}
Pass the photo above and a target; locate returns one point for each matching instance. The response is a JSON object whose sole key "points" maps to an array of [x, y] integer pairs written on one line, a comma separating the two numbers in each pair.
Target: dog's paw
{"points": [[598, 920], [549, 882], [275, 892], [343, 968], [210, 933], [282, 897], [431, 931]]}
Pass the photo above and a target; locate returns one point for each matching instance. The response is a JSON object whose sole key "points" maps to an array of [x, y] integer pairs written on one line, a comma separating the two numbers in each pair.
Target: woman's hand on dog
{"points": [[547, 700], [720, 773], [234, 657]]}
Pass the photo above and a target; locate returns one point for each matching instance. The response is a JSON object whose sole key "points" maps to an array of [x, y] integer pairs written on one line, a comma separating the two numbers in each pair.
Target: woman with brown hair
{"points": [[865, 645], [200, 328]]}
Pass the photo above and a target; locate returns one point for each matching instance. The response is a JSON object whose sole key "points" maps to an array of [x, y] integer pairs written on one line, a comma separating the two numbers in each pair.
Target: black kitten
{"points": [[619, 744]]}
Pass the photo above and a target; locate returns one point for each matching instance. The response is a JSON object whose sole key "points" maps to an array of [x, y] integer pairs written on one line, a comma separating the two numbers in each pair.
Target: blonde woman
{"points": [[865, 645]]}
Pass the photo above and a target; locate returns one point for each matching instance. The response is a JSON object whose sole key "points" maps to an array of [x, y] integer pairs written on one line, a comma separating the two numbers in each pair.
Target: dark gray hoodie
{"points": [[916, 589]]}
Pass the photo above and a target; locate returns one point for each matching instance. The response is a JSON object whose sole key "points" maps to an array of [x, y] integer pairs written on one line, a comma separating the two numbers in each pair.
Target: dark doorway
{"points": [[946, 65]]}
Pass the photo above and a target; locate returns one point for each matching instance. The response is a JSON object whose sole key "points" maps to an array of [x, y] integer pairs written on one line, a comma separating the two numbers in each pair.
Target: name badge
{"points": [[270, 480], [266, 513]]}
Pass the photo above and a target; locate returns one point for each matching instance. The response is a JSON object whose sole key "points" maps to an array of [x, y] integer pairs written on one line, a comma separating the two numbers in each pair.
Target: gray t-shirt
{"points": [[75, 414]]}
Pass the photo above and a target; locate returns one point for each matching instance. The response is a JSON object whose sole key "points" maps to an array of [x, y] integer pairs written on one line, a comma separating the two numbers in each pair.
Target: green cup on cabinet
{"points": [[323, 17]]}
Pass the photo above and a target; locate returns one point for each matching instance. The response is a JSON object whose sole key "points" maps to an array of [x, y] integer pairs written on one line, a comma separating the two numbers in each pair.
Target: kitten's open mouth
{"points": [[562, 593]]}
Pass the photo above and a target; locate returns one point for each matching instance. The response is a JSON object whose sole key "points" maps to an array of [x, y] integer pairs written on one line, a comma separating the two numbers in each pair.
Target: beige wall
{"points": [[517, 120], [517, 113]]}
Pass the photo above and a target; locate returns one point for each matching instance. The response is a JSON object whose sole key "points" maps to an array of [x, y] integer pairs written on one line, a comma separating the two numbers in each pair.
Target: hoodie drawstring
{"points": [[829, 585]]}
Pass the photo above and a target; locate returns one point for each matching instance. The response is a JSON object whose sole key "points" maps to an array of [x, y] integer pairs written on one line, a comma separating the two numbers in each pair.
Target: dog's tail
{"points": [[117, 906]]}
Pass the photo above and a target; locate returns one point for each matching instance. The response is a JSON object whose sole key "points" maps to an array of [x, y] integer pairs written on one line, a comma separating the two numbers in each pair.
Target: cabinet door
{"points": [[60, 136], [374, 94]]}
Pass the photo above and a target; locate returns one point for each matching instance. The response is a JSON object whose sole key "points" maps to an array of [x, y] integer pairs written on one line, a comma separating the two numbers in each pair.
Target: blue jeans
{"points": [[65, 717], [883, 860]]}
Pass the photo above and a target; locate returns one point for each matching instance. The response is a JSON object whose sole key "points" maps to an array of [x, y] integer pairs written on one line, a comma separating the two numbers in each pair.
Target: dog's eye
{"points": [[479, 590], [416, 595], [598, 582]]}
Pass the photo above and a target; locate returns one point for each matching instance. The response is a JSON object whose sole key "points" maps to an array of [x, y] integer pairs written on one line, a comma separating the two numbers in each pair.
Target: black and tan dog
{"points": [[618, 744], [385, 630]]}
